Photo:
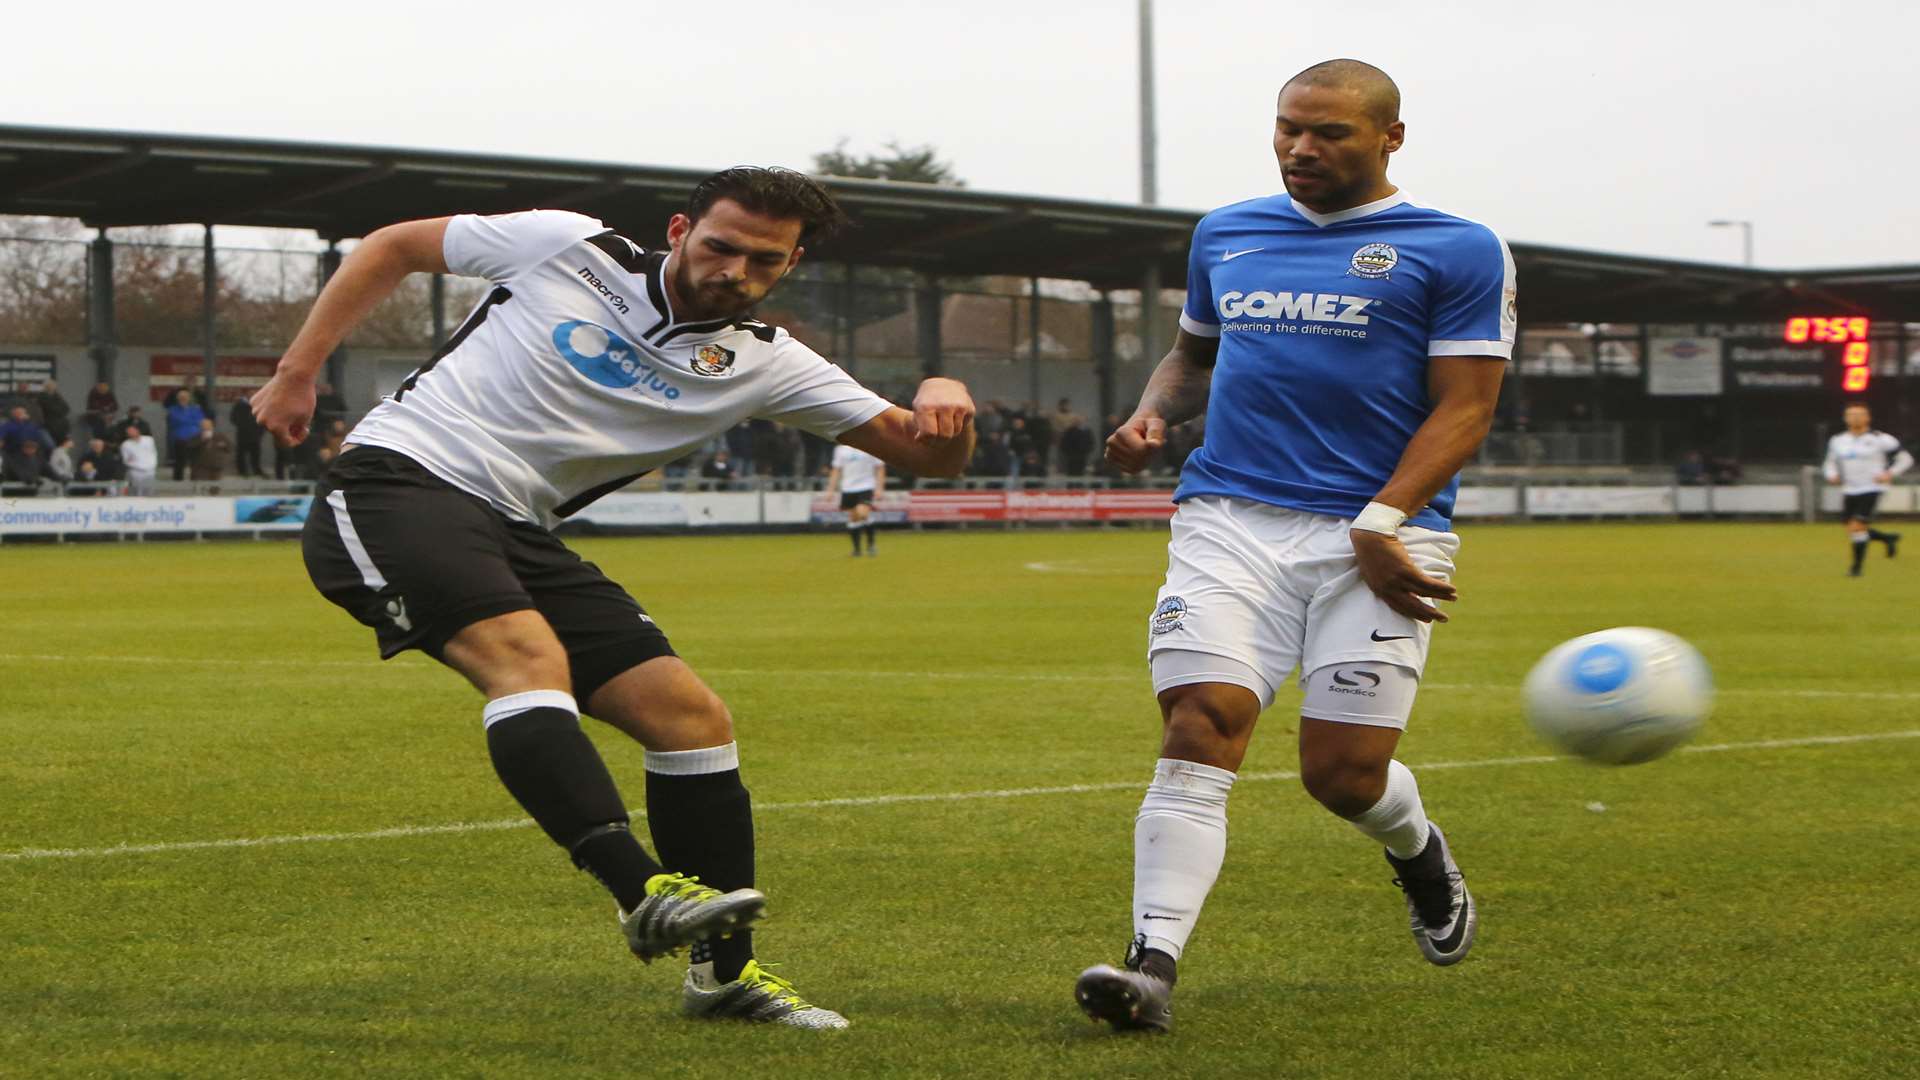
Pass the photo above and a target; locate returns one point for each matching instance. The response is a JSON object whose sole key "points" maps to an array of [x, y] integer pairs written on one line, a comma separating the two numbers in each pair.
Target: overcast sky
{"points": [[1622, 126]]}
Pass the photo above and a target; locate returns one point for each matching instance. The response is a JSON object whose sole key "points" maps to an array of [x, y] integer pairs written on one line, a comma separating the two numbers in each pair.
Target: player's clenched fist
{"points": [[285, 407], [942, 410], [1133, 445]]}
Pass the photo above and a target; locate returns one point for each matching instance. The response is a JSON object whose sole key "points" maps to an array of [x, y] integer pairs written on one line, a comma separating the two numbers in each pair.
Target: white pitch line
{"points": [[32, 854], [1140, 676]]}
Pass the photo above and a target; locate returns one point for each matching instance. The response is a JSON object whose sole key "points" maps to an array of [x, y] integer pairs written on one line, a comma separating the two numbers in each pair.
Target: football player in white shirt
{"points": [[1864, 462], [858, 476], [591, 362]]}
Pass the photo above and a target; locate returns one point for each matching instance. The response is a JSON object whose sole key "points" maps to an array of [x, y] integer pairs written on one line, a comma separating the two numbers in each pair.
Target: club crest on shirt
{"points": [[712, 360], [1168, 615], [1374, 261]]}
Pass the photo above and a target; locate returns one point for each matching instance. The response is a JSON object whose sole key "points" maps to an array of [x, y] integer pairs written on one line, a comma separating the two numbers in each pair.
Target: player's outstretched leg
{"points": [[1349, 768], [551, 767], [1860, 541], [1890, 539], [853, 534]]}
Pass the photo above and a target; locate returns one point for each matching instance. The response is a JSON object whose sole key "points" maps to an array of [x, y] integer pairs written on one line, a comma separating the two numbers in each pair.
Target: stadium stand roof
{"points": [[111, 178]]}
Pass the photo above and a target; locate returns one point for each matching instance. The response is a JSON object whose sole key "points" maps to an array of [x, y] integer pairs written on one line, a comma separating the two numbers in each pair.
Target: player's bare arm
{"points": [[1464, 390], [284, 406], [934, 438], [1176, 393]]}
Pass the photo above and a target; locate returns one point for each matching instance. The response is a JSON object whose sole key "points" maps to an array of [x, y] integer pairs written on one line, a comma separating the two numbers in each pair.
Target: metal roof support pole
{"points": [[103, 344], [926, 324], [437, 296], [843, 319], [1151, 349], [1103, 357], [1033, 345], [209, 290], [337, 361]]}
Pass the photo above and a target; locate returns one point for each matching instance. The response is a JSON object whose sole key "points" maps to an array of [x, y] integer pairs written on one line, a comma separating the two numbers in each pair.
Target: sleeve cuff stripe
{"points": [[1501, 349], [1197, 328]]}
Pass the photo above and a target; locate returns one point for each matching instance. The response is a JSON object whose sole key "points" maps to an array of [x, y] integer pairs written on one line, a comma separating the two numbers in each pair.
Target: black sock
{"points": [[552, 768], [1883, 537], [703, 826], [1859, 553], [854, 535], [1160, 965], [869, 531]]}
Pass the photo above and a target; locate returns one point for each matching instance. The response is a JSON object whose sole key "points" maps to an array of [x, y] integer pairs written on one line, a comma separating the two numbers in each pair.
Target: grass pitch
{"points": [[1746, 911]]}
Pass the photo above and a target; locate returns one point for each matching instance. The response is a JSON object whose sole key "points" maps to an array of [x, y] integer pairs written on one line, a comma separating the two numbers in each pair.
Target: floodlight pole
{"points": [[1149, 166], [209, 287], [1746, 238]]}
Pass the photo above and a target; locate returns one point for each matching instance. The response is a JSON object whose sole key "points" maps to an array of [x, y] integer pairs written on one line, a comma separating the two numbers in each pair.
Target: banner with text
{"points": [[235, 377]]}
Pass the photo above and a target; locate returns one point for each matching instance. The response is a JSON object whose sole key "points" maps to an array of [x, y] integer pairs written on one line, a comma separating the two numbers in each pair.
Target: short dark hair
{"points": [[1375, 88], [776, 192]]}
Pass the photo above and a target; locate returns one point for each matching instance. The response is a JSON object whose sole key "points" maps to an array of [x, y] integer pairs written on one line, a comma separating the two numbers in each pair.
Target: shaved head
{"points": [[1375, 90]]}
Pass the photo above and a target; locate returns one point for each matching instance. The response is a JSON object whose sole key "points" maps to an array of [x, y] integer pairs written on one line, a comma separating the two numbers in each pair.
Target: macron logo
{"points": [[613, 299], [1306, 306]]}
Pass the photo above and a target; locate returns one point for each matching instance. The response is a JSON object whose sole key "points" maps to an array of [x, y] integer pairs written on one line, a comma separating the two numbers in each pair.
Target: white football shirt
{"points": [[858, 468], [574, 376], [1855, 461]]}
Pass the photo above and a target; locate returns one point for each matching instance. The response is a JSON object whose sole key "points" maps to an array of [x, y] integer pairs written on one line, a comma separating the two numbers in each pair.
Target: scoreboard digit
{"points": [[1847, 331]]}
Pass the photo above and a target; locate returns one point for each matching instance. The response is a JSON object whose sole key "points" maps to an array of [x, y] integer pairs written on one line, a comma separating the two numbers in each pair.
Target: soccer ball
{"points": [[1619, 696]]}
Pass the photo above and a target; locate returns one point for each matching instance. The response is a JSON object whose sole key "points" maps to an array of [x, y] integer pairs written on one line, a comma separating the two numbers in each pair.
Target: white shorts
{"points": [[1278, 589]]}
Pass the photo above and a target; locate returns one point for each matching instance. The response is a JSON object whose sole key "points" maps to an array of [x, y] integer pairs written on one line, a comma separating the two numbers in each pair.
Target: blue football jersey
{"points": [[1325, 323]]}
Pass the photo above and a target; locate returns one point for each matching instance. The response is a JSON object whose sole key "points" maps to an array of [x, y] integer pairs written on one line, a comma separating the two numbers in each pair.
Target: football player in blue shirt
{"points": [[1346, 345]]}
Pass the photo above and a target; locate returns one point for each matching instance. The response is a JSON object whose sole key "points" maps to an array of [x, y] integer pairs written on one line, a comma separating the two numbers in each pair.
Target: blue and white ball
{"points": [[1620, 696]]}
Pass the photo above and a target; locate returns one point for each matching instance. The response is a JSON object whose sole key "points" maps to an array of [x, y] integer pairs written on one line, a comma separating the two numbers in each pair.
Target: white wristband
{"points": [[1380, 518]]}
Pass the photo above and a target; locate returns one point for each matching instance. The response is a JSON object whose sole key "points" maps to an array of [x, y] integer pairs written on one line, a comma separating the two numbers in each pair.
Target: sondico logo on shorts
{"points": [[1303, 307], [608, 359], [1360, 684], [1168, 615]]}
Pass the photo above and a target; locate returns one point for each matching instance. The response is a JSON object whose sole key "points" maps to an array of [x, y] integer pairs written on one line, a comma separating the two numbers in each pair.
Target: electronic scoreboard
{"points": [[1849, 332]]}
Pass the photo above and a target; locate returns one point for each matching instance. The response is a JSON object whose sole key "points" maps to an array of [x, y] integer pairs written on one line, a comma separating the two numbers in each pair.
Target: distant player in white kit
{"points": [[591, 362], [1863, 462], [1351, 344], [858, 476]]}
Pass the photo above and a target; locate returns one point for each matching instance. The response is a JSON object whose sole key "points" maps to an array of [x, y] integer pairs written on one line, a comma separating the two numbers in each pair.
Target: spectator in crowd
{"points": [[1076, 444], [101, 463], [1692, 469], [739, 440], [210, 451], [991, 421], [118, 429], [246, 439], [86, 481], [183, 426], [1040, 430], [141, 457], [102, 407], [328, 405], [334, 439], [1064, 417], [1020, 444], [1723, 469], [60, 462], [55, 414], [719, 469], [26, 466], [20, 429], [199, 396]]}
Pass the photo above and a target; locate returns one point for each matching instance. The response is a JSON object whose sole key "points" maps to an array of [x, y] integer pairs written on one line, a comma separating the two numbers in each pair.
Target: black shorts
{"points": [[417, 559], [851, 499], [1859, 506]]}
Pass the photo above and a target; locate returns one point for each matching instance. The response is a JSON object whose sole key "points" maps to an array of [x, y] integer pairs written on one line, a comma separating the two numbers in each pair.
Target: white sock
{"points": [[1398, 820], [1179, 842]]}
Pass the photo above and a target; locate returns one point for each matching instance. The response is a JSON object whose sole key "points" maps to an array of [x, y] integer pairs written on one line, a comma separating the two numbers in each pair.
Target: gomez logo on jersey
{"points": [[1306, 306], [608, 359]]}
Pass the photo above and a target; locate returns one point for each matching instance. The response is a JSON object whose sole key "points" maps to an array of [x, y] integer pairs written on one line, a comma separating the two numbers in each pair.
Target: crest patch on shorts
{"points": [[1168, 615]]}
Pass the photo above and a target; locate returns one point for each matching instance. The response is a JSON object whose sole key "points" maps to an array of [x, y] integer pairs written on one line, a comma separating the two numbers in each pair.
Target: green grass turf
{"points": [[1738, 913]]}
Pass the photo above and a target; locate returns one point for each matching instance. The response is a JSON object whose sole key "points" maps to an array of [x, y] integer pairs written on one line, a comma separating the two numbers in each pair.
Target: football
{"points": [[1619, 696]]}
